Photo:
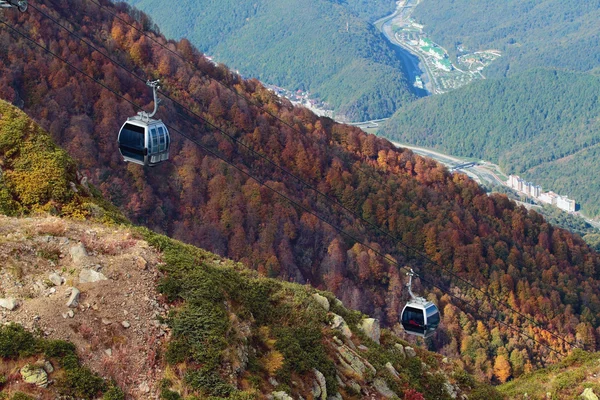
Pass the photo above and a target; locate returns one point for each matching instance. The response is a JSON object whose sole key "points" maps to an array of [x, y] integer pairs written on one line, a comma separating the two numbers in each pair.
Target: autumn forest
{"points": [[489, 264]]}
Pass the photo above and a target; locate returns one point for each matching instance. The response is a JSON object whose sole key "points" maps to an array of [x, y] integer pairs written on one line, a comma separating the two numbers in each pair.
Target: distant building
{"points": [[444, 64], [434, 51], [566, 204], [514, 182], [528, 188], [518, 184], [425, 42], [549, 198]]}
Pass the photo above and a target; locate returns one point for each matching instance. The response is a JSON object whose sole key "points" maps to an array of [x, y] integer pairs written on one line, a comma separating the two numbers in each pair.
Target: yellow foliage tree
{"points": [[502, 368]]}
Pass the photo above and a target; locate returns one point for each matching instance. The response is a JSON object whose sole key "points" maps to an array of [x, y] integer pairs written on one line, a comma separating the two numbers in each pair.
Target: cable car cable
{"points": [[334, 201], [409, 248], [318, 192], [293, 202]]}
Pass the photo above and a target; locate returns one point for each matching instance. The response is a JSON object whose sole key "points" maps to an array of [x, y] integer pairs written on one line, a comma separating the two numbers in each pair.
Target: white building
{"points": [[549, 198], [566, 204], [518, 184]]}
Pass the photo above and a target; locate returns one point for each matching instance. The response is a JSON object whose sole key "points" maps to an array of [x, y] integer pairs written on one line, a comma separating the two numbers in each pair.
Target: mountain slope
{"points": [[533, 33], [325, 47], [542, 125], [574, 377], [154, 317], [513, 255], [175, 321]]}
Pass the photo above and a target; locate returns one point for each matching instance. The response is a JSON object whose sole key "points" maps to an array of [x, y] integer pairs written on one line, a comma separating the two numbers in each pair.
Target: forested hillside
{"points": [[509, 255], [326, 47], [156, 318], [531, 33], [542, 125]]}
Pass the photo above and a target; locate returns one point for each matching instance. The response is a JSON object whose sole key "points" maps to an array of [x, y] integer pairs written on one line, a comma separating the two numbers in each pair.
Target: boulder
{"points": [[336, 396], [34, 375], [383, 389], [588, 394], [78, 253], [322, 385], [144, 387], [74, 298], [322, 300], [410, 352], [340, 325], [90, 276], [400, 349], [141, 263], [351, 364], [56, 279], [451, 390], [281, 396], [370, 327], [48, 367], [392, 370], [9, 303]]}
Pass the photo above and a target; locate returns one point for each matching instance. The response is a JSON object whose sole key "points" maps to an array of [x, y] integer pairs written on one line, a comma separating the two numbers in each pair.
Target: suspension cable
{"points": [[418, 253], [291, 201]]}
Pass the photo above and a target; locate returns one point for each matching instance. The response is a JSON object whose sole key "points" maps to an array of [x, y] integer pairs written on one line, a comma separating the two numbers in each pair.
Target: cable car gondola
{"points": [[20, 4], [420, 317], [143, 140]]}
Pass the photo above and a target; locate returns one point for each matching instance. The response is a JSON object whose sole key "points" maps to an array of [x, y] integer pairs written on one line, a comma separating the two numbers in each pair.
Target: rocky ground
{"points": [[95, 286], [89, 284]]}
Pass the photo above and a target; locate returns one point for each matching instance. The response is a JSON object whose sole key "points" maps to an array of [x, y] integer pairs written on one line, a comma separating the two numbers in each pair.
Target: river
{"points": [[411, 63]]}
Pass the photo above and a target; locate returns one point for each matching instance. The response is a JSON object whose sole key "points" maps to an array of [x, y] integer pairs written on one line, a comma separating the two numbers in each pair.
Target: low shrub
{"points": [[208, 382], [81, 383], [21, 396], [114, 393], [16, 342]]}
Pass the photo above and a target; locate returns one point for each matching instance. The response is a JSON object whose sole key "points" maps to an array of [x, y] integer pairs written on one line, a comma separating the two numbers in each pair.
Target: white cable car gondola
{"points": [[419, 316], [20, 4], [143, 140]]}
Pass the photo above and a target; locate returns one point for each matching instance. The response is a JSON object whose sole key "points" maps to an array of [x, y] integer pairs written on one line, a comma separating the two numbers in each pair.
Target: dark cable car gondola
{"points": [[143, 140], [419, 316], [20, 4]]}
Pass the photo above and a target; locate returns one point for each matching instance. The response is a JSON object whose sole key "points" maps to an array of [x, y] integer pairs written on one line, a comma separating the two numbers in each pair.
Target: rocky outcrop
{"points": [[352, 364], [588, 394], [322, 300], [400, 349], [34, 375], [78, 254], [56, 279], [392, 370], [339, 324], [91, 276], [370, 327], [281, 396], [410, 352], [73, 298], [9, 303], [383, 389], [319, 388]]}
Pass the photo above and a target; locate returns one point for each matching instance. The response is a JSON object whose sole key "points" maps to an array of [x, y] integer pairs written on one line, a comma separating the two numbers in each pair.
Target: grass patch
{"points": [[75, 380]]}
